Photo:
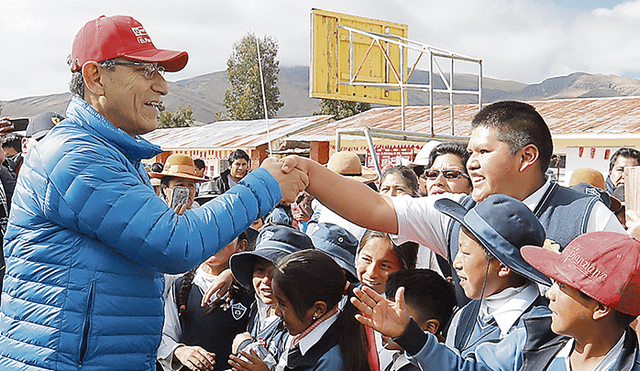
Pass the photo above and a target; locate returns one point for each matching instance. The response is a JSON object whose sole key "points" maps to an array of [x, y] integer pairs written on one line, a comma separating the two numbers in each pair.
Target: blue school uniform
{"points": [[470, 328], [533, 347], [313, 354]]}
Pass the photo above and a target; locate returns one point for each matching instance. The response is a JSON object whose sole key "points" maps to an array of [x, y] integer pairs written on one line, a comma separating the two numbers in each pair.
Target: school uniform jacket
{"points": [[531, 348], [88, 241]]}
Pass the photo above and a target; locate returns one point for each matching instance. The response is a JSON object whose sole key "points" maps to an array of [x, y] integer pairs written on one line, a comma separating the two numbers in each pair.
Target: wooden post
{"points": [[258, 155], [632, 188], [319, 151]]}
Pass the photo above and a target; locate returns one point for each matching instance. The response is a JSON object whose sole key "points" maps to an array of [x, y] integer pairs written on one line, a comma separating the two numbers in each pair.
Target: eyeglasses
{"points": [[149, 68], [448, 174]]}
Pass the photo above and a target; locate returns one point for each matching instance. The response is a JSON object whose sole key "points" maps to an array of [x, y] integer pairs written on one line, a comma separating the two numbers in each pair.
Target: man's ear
{"points": [[23, 142], [530, 154], [92, 76]]}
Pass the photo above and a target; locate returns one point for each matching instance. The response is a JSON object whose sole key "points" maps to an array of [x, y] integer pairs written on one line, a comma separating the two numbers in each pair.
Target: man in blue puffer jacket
{"points": [[88, 239]]}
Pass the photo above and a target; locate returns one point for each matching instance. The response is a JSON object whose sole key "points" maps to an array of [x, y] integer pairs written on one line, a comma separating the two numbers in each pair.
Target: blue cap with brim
{"points": [[273, 242], [340, 244], [503, 225]]}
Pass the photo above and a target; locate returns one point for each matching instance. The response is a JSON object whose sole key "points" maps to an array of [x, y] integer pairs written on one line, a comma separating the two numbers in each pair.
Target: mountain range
{"points": [[205, 93]]}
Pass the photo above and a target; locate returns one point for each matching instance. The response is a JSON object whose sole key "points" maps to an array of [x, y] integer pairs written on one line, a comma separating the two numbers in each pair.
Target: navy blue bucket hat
{"points": [[273, 242], [340, 244], [503, 225]]}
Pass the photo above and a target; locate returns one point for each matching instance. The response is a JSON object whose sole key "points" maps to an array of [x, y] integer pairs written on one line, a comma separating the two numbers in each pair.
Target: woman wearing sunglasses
{"points": [[447, 170]]}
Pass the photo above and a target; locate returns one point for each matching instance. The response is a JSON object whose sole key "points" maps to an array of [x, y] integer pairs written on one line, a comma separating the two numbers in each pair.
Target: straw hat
{"points": [[179, 166], [587, 175], [585, 179], [348, 164]]}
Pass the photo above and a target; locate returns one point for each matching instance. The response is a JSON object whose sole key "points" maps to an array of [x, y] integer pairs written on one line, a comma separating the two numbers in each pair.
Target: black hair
{"points": [[182, 295], [238, 153], [308, 276], [518, 125], [625, 152], [13, 140], [199, 163], [449, 148], [406, 252], [622, 319], [156, 167], [425, 291], [409, 177]]}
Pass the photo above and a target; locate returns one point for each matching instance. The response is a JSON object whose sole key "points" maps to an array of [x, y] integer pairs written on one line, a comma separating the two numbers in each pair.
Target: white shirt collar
{"points": [[314, 336], [509, 304], [534, 199]]}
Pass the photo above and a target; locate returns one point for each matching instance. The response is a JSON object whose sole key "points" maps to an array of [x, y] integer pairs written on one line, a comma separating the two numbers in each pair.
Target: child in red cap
{"points": [[595, 296]]}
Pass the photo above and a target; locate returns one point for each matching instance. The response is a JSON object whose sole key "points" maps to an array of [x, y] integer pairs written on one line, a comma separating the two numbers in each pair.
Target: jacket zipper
{"points": [[87, 324]]}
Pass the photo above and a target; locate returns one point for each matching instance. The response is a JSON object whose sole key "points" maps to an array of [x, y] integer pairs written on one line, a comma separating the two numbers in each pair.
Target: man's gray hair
{"points": [[76, 86]]}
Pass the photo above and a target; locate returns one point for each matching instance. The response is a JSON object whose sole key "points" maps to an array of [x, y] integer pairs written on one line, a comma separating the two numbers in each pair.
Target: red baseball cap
{"points": [[120, 36], [603, 265]]}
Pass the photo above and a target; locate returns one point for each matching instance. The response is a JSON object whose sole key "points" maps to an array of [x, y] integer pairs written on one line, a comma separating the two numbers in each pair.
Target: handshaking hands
{"points": [[290, 174]]}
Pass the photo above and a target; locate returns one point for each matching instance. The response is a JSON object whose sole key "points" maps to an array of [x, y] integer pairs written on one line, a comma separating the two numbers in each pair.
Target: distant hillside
{"points": [[205, 93]]}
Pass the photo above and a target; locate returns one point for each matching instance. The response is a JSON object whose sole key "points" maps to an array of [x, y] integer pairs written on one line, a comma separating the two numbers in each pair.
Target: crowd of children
{"points": [[512, 288]]}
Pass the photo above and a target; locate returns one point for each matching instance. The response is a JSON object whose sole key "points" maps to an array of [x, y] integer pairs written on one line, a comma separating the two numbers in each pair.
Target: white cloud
{"points": [[524, 40]]}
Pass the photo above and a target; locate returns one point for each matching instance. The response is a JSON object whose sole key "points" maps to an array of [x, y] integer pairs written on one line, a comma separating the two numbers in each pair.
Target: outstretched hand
{"points": [[291, 180], [383, 315]]}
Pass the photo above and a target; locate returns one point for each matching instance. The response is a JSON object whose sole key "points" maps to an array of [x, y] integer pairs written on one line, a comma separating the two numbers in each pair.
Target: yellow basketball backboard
{"points": [[348, 65]]}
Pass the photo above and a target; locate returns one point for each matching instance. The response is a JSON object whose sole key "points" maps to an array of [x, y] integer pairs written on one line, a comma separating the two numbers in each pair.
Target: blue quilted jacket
{"points": [[88, 241]]}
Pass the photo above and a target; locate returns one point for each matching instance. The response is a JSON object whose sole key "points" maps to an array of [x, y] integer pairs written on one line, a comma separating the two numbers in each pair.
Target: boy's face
{"points": [[491, 166], [262, 273], [471, 263], [571, 311]]}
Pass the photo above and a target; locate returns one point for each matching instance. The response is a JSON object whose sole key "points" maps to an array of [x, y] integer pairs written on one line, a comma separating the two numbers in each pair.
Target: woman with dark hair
{"points": [[399, 180], [447, 170], [309, 286]]}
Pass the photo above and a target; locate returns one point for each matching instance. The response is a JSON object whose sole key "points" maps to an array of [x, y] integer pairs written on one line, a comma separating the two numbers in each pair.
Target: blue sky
{"points": [[522, 40]]}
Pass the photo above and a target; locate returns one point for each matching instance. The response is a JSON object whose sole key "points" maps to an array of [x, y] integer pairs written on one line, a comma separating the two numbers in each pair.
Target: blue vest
{"points": [[213, 331], [558, 206], [468, 337]]}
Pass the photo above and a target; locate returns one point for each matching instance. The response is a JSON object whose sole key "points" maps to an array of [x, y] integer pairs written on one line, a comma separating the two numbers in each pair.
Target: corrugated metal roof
{"points": [[619, 115], [232, 134]]}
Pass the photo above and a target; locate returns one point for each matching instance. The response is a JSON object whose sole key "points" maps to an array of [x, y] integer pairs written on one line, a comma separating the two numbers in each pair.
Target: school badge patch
{"points": [[238, 310]]}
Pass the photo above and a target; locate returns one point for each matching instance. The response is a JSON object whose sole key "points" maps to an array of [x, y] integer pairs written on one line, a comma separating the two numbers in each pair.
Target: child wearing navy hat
{"points": [[594, 298], [492, 272], [265, 333], [340, 244]]}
